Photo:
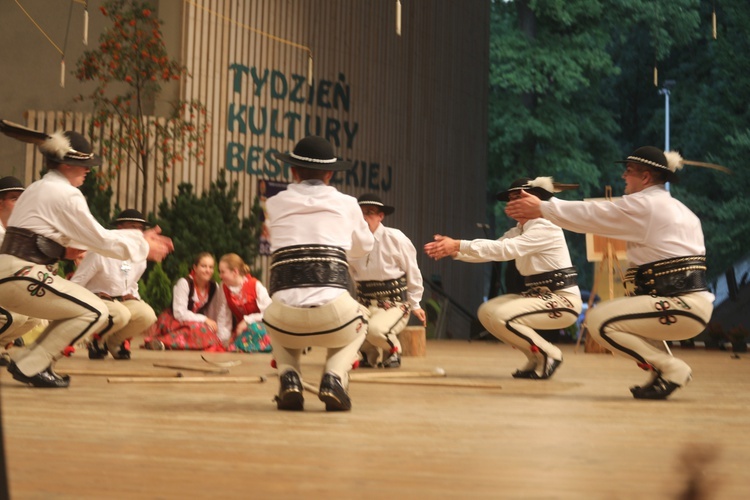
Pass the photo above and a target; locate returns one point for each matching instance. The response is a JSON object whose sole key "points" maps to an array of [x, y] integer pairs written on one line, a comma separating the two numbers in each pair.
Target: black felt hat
{"points": [[655, 158], [314, 152], [541, 187], [373, 200], [69, 148], [130, 215], [10, 183]]}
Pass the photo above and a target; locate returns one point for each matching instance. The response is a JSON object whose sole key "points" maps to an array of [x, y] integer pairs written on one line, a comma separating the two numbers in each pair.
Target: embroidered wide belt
{"points": [[554, 280], [669, 277], [303, 266], [389, 289], [28, 245]]}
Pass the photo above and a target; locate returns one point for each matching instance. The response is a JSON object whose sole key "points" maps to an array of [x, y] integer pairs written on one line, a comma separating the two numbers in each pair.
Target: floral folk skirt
{"points": [[182, 335]]}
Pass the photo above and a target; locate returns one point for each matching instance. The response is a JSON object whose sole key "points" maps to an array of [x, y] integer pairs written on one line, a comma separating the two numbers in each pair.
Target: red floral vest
{"points": [[243, 303]]}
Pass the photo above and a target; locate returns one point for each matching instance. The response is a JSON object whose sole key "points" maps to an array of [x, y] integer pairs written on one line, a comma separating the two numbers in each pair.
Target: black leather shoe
{"points": [[530, 374], [659, 389], [4, 359], [392, 361], [46, 378], [123, 352], [333, 394], [654, 376], [550, 367], [290, 396], [64, 377], [95, 350], [363, 362]]}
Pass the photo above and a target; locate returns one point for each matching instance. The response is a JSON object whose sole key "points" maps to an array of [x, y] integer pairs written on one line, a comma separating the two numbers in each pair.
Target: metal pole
{"points": [[665, 90], [666, 119], [666, 148]]}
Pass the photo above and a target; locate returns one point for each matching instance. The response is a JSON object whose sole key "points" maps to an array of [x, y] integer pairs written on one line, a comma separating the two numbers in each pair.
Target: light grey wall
{"points": [[30, 64]]}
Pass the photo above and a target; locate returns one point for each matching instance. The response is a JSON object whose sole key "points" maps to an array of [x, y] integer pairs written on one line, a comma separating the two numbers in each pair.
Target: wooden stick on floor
{"points": [[120, 373], [310, 387], [381, 376], [222, 364], [202, 369], [188, 380], [446, 383], [387, 374]]}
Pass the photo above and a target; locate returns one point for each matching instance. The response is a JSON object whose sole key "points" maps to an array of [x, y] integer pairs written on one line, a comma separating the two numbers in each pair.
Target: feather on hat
{"points": [[69, 148], [541, 187], [670, 161]]}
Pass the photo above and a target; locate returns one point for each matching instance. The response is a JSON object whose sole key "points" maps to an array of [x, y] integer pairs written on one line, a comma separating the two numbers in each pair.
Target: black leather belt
{"points": [[389, 289], [302, 266], [669, 277], [554, 280], [28, 245]]}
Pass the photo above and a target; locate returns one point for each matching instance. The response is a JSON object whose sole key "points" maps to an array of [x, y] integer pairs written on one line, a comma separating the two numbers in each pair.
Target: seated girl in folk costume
{"points": [[246, 298], [198, 318]]}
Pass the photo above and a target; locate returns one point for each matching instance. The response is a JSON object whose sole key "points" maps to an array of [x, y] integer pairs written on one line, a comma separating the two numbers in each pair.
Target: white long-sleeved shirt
{"points": [[392, 256], [310, 212], [54, 208], [538, 246], [217, 308], [655, 225], [114, 277]]}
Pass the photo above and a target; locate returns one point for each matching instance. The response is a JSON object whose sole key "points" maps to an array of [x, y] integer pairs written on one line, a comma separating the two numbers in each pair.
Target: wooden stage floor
{"points": [[578, 435]]}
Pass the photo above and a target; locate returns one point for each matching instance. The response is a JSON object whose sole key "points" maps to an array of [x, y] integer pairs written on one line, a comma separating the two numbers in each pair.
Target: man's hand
{"points": [[421, 316], [158, 246], [74, 254], [526, 207], [443, 246]]}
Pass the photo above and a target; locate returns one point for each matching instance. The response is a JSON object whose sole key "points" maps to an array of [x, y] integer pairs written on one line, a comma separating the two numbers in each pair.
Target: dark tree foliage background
{"points": [[208, 222], [572, 90]]}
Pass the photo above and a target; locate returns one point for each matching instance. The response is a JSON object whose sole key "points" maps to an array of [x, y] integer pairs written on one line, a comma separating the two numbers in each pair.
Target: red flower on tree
{"points": [[132, 52]]}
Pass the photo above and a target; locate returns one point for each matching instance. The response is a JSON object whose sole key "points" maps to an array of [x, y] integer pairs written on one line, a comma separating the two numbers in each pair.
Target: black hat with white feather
{"points": [[61, 148], [541, 187], [669, 162]]}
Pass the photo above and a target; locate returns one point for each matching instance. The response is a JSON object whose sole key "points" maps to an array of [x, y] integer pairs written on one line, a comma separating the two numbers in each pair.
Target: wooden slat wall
{"points": [[419, 99]]}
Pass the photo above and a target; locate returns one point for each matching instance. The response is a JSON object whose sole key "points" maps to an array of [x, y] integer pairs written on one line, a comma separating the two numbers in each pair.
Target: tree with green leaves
{"points": [[132, 59], [208, 223], [156, 288], [545, 111], [710, 121], [575, 84]]}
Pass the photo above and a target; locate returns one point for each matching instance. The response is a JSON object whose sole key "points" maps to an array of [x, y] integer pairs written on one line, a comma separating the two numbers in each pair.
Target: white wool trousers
{"points": [[513, 318], [387, 320], [36, 290], [129, 319], [13, 326], [340, 326], [630, 326]]}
